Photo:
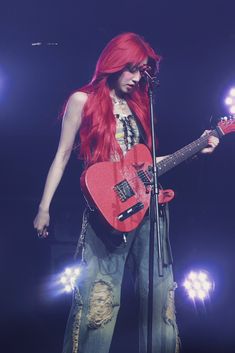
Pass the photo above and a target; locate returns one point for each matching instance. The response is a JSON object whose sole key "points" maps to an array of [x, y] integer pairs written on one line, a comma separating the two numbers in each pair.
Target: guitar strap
{"points": [[143, 137]]}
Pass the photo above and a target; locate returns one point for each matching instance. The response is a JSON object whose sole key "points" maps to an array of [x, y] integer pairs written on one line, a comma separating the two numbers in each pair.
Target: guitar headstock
{"points": [[227, 124]]}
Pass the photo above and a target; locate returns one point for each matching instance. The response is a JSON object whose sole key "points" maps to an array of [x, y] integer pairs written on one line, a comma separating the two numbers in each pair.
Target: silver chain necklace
{"points": [[117, 100]]}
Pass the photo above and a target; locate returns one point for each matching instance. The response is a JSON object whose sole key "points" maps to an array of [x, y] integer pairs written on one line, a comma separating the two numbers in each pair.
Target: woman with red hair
{"points": [[111, 115]]}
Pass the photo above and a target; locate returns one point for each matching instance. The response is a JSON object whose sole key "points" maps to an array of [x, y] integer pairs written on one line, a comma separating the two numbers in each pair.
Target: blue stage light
{"points": [[198, 285], [69, 277]]}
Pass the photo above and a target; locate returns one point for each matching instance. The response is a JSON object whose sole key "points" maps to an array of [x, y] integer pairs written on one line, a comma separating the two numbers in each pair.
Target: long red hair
{"points": [[97, 131]]}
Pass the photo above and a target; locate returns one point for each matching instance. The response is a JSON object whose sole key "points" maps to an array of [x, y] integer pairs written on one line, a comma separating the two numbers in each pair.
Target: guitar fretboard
{"points": [[186, 152]]}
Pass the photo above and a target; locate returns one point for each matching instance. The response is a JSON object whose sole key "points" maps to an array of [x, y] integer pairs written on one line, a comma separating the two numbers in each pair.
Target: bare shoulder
{"points": [[74, 108], [78, 99]]}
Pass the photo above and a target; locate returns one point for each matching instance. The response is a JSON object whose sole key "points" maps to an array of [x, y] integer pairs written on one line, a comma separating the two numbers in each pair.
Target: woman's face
{"points": [[129, 78]]}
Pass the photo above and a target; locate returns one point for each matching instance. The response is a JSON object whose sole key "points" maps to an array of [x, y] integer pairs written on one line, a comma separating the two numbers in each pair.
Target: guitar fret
{"points": [[184, 153]]}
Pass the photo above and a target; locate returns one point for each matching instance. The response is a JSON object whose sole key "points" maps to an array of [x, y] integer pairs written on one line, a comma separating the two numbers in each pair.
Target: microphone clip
{"points": [[146, 71]]}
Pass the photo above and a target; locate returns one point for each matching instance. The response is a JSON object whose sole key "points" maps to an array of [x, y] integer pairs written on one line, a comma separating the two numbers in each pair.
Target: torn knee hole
{"points": [[101, 304], [170, 305]]}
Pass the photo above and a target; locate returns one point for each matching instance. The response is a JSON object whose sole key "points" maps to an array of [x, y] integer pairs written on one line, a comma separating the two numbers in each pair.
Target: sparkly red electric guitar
{"points": [[121, 190]]}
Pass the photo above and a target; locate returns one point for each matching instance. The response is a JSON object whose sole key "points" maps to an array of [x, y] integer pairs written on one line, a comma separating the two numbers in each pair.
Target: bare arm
{"points": [[70, 126], [159, 159]]}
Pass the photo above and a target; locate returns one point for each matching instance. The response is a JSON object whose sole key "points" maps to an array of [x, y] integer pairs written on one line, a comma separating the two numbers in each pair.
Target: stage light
{"points": [[230, 100], [48, 44], [69, 277], [232, 92], [2, 80], [198, 285], [232, 109]]}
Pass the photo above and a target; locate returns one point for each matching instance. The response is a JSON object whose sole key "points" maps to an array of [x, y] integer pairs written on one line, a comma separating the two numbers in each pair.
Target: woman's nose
{"points": [[137, 76]]}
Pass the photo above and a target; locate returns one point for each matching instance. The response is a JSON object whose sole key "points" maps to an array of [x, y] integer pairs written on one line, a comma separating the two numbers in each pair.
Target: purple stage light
{"points": [[1, 81], [230, 100], [198, 285]]}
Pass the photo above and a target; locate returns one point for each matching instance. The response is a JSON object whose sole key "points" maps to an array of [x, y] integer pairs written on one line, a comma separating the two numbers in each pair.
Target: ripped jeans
{"points": [[96, 298]]}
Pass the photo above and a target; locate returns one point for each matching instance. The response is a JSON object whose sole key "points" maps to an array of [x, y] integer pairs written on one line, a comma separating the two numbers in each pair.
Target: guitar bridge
{"points": [[130, 211]]}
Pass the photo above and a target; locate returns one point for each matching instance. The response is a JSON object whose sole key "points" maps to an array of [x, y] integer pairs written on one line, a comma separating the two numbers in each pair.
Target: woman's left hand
{"points": [[213, 142]]}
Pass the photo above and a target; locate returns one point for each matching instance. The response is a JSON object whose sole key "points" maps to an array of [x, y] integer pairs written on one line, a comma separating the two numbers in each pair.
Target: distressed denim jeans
{"points": [[96, 298]]}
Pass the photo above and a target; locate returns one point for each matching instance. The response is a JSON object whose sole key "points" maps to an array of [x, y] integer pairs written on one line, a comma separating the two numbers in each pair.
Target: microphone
{"points": [[145, 69], [147, 72]]}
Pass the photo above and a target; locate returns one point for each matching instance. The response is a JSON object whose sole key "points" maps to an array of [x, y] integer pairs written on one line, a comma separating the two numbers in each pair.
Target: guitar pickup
{"points": [[145, 177], [130, 211], [123, 190]]}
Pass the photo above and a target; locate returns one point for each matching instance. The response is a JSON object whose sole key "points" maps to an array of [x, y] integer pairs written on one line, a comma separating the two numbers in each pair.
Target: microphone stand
{"points": [[154, 217]]}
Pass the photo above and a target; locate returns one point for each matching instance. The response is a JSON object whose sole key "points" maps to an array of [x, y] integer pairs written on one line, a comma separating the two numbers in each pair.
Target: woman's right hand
{"points": [[41, 223]]}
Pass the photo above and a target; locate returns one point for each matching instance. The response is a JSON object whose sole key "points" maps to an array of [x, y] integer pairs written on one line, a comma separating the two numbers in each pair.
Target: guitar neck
{"points": [[186, 152]]}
